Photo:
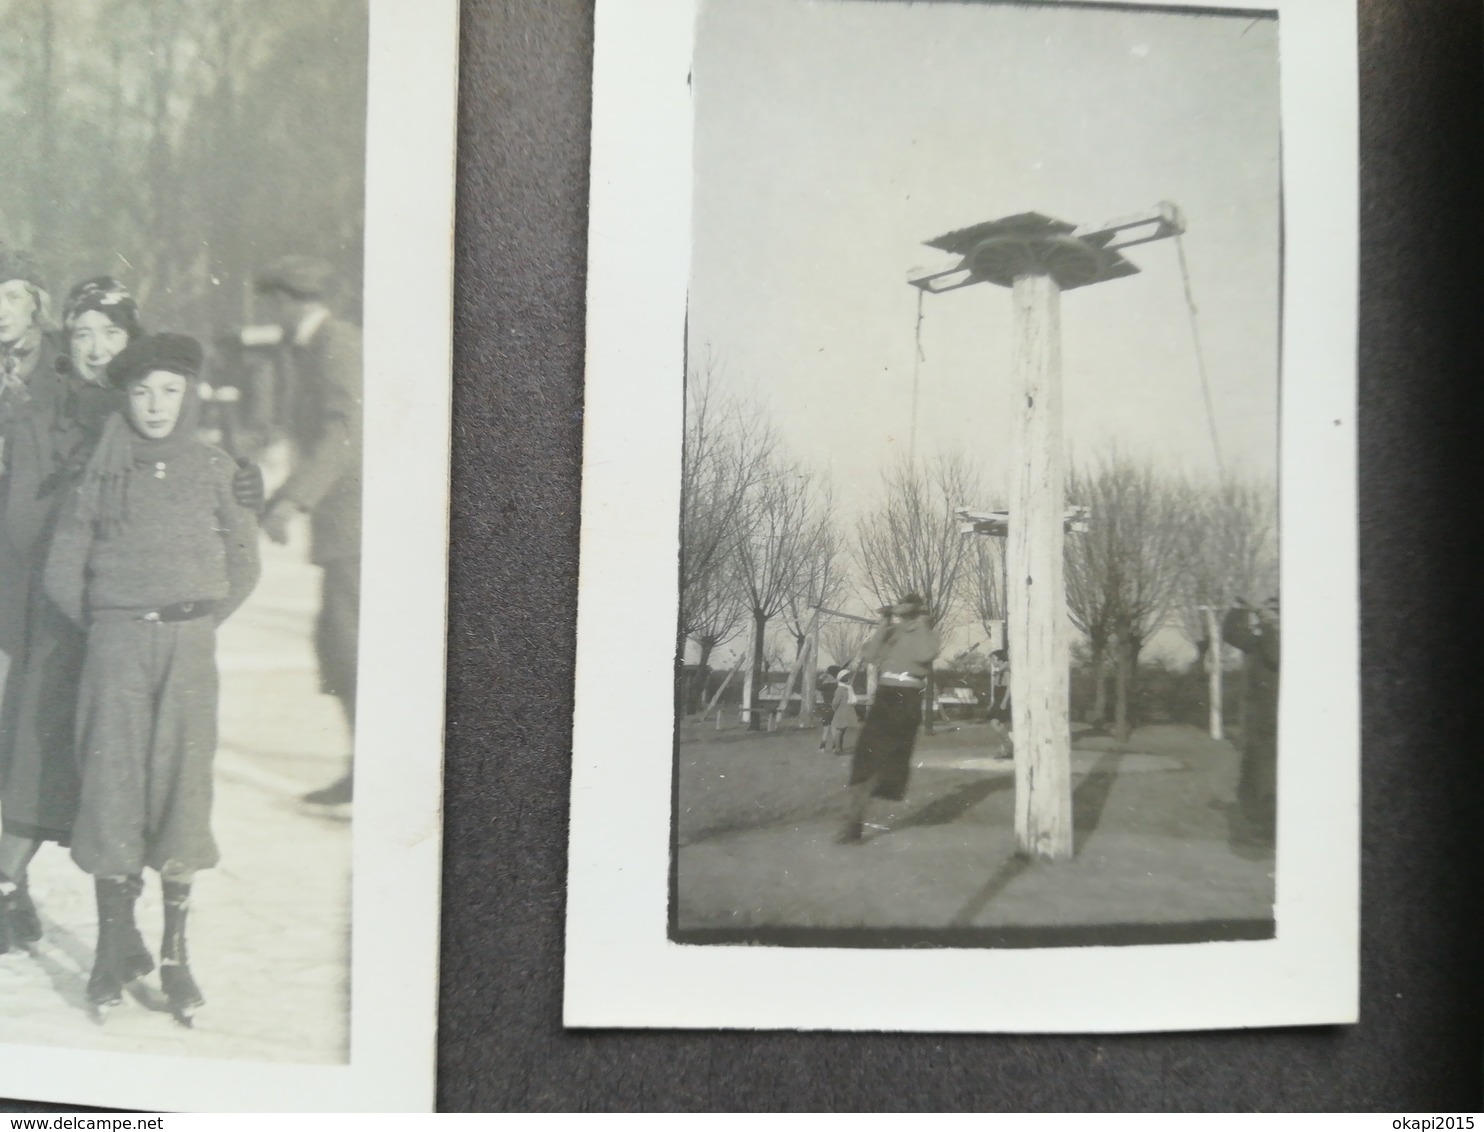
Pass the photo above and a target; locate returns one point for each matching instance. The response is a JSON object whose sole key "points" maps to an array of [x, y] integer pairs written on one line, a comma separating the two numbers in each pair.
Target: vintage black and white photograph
{"points": [[982, 532], [979, 600], [183, 219]]}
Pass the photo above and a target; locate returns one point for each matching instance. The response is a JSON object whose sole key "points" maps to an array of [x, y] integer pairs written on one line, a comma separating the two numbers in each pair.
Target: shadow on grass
{"points": [[956, 803], [1089, 799]]}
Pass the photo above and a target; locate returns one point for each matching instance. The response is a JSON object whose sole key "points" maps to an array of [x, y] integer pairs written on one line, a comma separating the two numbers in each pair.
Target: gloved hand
{"points": [[247, 485]]}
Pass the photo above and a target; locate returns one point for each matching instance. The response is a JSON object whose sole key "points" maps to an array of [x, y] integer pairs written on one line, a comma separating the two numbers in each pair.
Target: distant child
{"points": [[842, 713], [827, 688], [156, 554]]}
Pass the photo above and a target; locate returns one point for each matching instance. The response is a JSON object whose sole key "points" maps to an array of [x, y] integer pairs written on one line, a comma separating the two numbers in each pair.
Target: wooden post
{"points": [[788, 688], [716, 696], [747, 680], [1213, 672], [811, 674], [1039, 637]]}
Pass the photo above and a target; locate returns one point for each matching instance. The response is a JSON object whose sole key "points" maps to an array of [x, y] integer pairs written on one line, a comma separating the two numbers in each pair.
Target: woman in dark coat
{"points": [[50, 429], [51, 426]]}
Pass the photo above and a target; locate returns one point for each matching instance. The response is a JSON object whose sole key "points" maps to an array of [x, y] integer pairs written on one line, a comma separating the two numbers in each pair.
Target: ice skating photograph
{"points": [[182, 409]]}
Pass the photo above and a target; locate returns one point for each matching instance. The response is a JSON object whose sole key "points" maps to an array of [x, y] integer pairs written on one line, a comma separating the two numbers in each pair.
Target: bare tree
{"points": [[777, 528], [986, 573], [1126, 570], [1229, 549], [1093, 580], [842, 639], [716, 615], [726, 448], [911, 542], [821, 578]]}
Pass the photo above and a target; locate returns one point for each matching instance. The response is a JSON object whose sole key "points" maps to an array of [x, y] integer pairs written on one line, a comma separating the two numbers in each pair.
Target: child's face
{"points": [[155, 403]]}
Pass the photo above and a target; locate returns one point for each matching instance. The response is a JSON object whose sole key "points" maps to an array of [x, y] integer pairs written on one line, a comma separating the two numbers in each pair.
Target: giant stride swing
{"points": [[1038, 258]]}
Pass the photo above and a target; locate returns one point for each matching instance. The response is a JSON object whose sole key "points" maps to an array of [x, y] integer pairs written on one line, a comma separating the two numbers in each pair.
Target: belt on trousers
{"points": [[180, 611], [905, 679]]}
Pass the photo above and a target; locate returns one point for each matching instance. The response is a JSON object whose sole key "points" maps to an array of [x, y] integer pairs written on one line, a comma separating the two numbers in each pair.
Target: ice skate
{"points": [[25, 924], [182, 994], [19, 925], [333, 801], [121, 956]]}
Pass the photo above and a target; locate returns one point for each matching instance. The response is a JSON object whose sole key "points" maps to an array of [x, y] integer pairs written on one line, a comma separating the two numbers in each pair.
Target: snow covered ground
{"points": [[270, 927]]}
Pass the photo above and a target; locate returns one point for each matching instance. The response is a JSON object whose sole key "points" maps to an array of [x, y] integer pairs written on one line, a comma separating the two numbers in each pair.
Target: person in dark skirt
{"points": [[67, 403], [156, 553], [903, 648]]}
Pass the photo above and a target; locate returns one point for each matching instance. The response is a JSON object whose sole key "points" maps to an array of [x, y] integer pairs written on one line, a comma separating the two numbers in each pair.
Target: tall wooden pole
{"points": [[1039, 636]]}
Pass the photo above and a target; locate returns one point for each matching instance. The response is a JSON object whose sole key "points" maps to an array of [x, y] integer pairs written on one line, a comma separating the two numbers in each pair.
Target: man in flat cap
{"points": [[322, 354]]}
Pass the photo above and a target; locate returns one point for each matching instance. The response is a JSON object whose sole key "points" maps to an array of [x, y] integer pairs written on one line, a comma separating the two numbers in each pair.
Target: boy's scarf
{"points": [[103, 498]]}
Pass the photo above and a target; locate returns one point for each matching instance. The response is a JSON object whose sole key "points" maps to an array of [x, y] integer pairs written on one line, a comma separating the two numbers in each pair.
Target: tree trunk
{"points": [[759, 627], [698, 681], [930, 694], [1099, 713]]}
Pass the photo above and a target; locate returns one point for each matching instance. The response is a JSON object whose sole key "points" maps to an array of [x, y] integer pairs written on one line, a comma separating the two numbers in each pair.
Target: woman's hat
{"points": [[105, 294], [906, 605], [174, 353]]}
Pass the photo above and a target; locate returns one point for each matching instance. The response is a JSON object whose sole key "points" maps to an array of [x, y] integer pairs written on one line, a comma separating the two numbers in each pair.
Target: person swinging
{"points": [[903, 648]]}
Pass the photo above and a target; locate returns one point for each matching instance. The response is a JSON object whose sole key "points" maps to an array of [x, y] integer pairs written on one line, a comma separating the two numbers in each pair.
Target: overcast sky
{"points": [[833, 137]]}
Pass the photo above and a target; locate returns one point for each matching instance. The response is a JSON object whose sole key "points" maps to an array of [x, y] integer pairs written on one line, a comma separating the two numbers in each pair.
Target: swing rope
{"points": [[916, 369], [1200, 356]]}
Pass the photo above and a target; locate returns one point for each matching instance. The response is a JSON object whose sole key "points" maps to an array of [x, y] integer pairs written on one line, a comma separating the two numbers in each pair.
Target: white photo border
{"points": [[411, 132], [622, 970]]}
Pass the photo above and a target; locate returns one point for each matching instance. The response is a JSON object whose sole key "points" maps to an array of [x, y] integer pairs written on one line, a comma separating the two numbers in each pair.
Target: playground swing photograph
{"points": [[1020, 453], [986, 332]]}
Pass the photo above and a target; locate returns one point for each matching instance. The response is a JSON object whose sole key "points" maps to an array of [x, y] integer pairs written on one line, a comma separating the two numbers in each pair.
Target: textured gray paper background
{"points": [[518, 358]]}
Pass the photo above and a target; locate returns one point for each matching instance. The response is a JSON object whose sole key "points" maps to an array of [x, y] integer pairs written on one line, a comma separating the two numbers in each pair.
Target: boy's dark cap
{"points": [[302, 276], [175, 353]]}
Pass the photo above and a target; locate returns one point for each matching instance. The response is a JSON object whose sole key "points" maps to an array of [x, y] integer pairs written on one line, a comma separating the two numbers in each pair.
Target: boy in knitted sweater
{"points": [[156, 554]]}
